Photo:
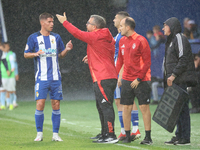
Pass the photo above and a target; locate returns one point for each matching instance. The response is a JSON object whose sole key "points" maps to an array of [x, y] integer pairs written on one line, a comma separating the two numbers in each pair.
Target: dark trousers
{"points": [[104, 94], [183, 122], [195, 96]]}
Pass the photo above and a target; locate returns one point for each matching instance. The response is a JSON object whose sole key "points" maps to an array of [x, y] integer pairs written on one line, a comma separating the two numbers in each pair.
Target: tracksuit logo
{"points": [[103, 101]]}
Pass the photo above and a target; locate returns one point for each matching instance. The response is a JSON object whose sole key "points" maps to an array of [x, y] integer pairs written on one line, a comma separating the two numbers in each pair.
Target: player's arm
{"points": [[120, 61], [32, 55], [87, 37], [16, 67], [30, 49], [146, 57], [12, 62], [119, 82], [16, 71], [68, 47], [85, 59]]}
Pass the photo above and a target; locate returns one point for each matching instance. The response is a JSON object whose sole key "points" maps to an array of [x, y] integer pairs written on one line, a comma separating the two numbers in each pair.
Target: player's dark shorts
{"points": [[142, 92]]}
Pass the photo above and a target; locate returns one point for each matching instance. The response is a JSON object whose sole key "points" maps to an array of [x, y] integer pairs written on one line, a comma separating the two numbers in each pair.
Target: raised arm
{"points": [[87, 37], [68, 47]]}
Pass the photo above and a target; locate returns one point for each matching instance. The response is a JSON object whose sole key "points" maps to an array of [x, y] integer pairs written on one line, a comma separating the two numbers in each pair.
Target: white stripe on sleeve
{"points": [[180, 44]]}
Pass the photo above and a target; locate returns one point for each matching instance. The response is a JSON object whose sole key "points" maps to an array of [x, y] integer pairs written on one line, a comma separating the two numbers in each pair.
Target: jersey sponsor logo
{"points": [[47, 55], [26, 48], [48, 52], [41, 43], [123, 46], [134, 45], [103, 101]]}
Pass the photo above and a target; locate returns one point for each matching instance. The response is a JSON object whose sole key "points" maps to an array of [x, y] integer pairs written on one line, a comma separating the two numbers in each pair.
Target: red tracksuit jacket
{"points": [[135, 54], [100, 51]]}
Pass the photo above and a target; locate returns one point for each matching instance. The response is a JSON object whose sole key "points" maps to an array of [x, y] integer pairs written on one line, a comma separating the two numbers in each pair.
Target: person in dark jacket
{"points": [[179, 64]]}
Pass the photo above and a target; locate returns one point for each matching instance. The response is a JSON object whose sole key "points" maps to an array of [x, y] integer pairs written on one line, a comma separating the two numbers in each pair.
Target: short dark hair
{"points": [[6, 42], [2, 44], [130, 22], [156, 27], [45, 15], [123, 14], [99, 21], [149, 32], [195, 55]]}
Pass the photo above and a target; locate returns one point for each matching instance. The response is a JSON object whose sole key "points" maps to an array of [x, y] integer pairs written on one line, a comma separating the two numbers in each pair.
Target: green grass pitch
{"points": [[79, 122]]}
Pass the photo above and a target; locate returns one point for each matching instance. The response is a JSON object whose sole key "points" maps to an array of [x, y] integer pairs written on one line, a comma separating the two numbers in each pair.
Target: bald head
{"points": [[127, 26], [130, 22]]}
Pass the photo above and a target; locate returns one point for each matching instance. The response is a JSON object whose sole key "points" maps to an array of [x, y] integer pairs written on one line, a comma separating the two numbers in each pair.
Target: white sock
{"points": [[39, 133], [135, 128], [55, 134], [123, 131]]}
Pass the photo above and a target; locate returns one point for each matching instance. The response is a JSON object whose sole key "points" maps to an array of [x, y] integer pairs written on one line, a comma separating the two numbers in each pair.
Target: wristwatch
{"points": [[139, 79]]}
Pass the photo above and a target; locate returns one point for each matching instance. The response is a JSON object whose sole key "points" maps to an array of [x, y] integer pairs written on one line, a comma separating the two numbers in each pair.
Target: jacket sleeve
{"points": [[146, 57], [182, 48], [86, 37], [119, 59]]}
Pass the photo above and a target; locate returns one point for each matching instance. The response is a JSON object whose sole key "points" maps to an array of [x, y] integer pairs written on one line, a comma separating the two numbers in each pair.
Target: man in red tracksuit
{"points": [[100, 58], [135, 55]]}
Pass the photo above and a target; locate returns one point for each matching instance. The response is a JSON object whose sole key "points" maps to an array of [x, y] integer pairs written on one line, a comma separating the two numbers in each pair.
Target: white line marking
{"points": [[135, 147], [49, 129], [46, 128]]}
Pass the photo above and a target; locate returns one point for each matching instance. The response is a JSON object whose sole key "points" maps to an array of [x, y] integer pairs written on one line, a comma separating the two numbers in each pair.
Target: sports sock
{"points": [[56, 120], [121, 122], [39, 119], [121, 119], [123, 131], [148, 134], [3, 97], [8, 100], [134, 120], [128, 133], [11, 98], [14, 98]]}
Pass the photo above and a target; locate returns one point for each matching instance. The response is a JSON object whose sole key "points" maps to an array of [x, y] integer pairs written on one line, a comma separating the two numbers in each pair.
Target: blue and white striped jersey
{"points": [[117, 39], [46, 65]]}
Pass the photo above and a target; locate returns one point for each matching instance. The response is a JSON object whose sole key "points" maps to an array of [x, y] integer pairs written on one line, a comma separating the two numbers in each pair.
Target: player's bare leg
{"points": [[135, 134], [127, 122], [147, 123]]}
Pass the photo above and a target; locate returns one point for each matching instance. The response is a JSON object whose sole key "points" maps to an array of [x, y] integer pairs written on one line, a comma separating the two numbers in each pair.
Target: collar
{"points": [[95, 30], [133, 36]]}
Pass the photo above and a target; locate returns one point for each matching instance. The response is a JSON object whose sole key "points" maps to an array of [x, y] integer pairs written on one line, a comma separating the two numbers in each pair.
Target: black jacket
{"points": [[178, 54]]}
